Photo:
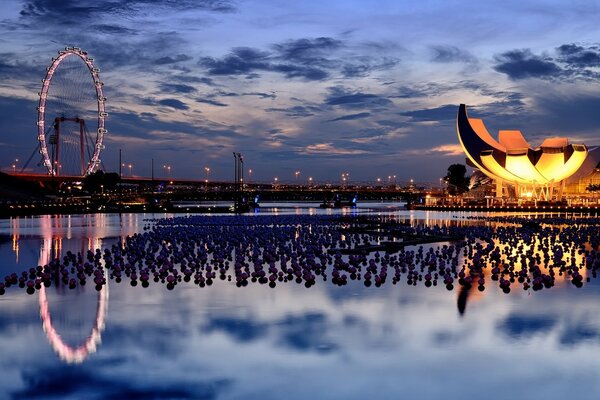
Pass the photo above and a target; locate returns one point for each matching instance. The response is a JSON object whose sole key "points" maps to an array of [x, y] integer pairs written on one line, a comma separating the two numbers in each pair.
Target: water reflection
{"points": [[324, 342], [52, 234]]}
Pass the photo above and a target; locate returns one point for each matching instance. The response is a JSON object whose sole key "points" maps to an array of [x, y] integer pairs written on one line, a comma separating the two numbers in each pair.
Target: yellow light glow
{"points": [[521, 166]]}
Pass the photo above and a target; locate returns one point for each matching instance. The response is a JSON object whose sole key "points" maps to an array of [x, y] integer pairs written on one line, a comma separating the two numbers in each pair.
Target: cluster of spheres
{"points": [[275, 250]]}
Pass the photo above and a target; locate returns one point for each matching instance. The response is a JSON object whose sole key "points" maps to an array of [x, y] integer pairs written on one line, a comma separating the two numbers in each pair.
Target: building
{"points": [[520, 170]]}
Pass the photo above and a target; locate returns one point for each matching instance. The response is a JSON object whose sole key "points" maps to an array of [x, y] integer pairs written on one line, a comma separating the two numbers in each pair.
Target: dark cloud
{"points": [[351, 117], [307, 59], [241, 60], [362, 66], [569, 113], [166, 60], [413, 92], [443, 113], [242, 330], [85, 382], [262, 95], [520, 326], [579, 56], [176, 88], [193, 79], [449, 54], [341, 97], [212, 102], [311, 52], [77, 11], [246, 61], [113, 29], [579, 333], [301, 71], [522, 64], [306, 333], [296, 111], [11, 67], [173, 103]]}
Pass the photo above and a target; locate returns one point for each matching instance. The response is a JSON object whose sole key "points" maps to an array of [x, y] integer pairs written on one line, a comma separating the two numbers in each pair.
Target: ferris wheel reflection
{"points": [[51, 248]]}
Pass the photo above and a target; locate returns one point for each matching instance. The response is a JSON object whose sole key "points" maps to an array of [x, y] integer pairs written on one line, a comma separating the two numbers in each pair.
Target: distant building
{"points": [[549, 172]]}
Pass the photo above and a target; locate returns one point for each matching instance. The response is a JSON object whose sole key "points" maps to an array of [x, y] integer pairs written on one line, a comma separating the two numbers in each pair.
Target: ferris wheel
{"points": [[71, 111]]}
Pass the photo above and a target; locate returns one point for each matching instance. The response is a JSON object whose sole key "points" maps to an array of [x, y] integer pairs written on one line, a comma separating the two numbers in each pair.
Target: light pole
{"points": [[297, 174], [14, 166], [310, 181], [130, 166], [207, 172], [168, 169]]}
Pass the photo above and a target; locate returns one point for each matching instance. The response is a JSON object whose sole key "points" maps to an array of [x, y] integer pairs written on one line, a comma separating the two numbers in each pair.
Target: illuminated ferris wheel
{"points": [[69, 105]]}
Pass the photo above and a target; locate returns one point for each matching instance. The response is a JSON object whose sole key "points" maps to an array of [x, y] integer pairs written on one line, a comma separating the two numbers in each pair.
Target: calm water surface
{"points": [[326, 342]]}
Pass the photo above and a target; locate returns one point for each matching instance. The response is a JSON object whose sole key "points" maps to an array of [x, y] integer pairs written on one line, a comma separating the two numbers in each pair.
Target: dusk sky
{"points": [[370, 88]]}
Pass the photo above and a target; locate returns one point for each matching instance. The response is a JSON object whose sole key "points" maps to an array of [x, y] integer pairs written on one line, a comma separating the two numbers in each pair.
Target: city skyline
{"points": [[322, 90]]}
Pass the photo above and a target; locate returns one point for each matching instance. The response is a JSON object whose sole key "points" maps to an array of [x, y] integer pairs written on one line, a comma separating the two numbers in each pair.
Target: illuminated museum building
{"points": [[551, 171]]}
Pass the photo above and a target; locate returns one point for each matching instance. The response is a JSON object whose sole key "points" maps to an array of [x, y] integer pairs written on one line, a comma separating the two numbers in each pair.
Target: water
{"points": [[328, 342]]}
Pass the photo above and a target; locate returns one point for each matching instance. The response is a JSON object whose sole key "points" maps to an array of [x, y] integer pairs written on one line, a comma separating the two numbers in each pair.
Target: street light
{"points": [[297, 174], [130, 166], [168, 169], [207, 171]]}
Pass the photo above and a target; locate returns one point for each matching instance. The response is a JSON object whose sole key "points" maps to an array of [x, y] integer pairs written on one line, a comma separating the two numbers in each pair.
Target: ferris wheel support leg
{"points": [[81, 138]]}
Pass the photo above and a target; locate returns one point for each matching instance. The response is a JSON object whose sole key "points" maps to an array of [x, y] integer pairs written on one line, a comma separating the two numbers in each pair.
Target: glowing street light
{"points": [[168, 169], [130, 166], [297, 174]]}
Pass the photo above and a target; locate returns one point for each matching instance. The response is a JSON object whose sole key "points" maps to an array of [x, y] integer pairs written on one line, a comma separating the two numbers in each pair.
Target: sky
{"points": [[367, 88]]}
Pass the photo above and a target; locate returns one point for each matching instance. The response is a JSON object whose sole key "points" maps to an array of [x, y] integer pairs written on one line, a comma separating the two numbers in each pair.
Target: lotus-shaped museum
{"points": [[513, 164]]}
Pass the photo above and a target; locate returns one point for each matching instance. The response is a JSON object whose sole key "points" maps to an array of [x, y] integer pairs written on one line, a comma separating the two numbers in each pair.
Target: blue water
{"points": [[326, 342]]}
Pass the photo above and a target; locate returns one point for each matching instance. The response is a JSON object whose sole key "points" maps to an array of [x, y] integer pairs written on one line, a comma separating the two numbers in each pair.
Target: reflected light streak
{"points": [[66, 352], [52, 245]]}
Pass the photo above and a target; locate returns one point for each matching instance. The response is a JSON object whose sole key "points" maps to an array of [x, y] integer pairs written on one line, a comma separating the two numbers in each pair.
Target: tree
{"points": [[457, 179], [593, 187], [100, 181]]}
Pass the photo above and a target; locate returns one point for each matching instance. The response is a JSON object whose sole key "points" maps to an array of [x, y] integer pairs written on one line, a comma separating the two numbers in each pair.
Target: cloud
{"points": [[241, 60], [519, 326], [212, 102], [113, 29], [295, 111], [311, 52], [166, 60], [351, 117], [578, 56], [71, 11], [176, 88], [522, 64], [344, 98], [450, 54], [311, 59], [262, 95], [242, 330], [306, 332], [173, 103], [82, 381], [449, 149], [247, 61], [443, 113], [328, 149]]}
